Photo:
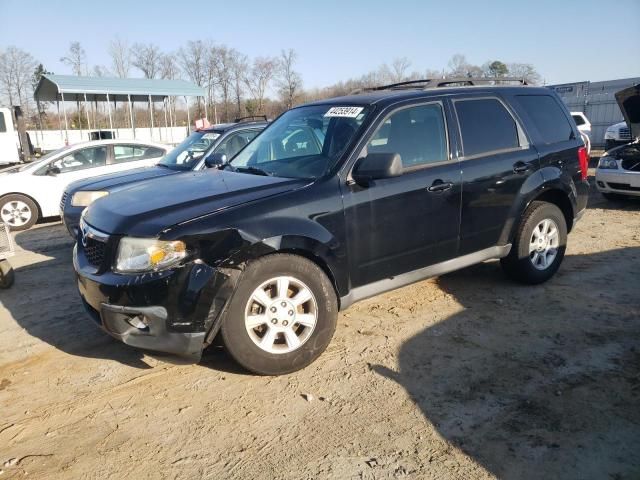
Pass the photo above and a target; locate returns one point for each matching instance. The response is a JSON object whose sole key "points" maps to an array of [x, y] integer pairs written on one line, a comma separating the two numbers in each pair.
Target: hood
{"points": [[148, 207], [113, 181], [629, 102]]}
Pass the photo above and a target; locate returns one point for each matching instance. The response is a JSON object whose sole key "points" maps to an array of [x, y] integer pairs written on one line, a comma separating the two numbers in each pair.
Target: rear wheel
{"points": [[539, 245], [18, 212], [282, 315]]}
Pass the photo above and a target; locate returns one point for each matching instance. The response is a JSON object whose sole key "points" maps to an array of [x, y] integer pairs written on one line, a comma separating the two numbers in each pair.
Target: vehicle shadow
{"points": [[44, 301], [536, 382]]}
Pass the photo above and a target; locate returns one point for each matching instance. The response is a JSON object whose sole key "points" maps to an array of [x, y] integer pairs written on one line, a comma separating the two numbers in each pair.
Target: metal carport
{"points": [[62, 88]]}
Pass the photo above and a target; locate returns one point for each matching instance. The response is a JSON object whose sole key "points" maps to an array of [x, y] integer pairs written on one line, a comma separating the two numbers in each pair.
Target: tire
{"points": [[6, 274], [276, 317], [608, 145], [18, 212], [522, 263]]}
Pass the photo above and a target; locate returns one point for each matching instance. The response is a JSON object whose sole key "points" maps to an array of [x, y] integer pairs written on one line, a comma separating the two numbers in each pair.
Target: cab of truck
{"points": [[9, 142]]}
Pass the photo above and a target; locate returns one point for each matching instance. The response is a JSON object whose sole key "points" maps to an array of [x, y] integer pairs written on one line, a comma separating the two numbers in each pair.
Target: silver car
{"points": [[618, 171]]}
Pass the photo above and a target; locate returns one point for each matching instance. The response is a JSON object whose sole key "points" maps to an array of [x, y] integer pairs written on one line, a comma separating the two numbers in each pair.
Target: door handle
{"points": [[440, 186], [521, 167]]}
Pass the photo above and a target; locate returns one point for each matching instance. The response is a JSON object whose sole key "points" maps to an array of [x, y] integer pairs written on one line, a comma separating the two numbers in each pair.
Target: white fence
{"points": [[53, 139], [597, 101]]}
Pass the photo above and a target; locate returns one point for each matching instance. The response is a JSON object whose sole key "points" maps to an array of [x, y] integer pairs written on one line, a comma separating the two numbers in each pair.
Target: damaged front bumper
{"points": [[177, 311]]}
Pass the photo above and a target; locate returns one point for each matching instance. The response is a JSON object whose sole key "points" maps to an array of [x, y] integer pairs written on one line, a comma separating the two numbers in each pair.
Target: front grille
{"points": [[623, 186], [94, 251], [624, 133], [633, 165], [63, 200], [5, 240]]}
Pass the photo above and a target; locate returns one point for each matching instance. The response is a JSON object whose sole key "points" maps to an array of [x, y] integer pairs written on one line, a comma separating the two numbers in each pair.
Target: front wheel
{"points": [[282, 315], [18, 212], [539, 245]]}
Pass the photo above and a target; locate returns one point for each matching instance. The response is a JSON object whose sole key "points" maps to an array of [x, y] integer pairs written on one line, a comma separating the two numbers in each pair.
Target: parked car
{"points": [[582, 122], [215, 144], [33, 191], [617, 135], [334, 202], [618, 171]]}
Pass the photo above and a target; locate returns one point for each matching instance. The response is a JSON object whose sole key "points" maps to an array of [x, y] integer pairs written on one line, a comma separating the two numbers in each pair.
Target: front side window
{"points": [[417, 133], [235, 142], [132, 153], [302, 143], [548, 117], [189, 153], [91, 157], [486, 126]]}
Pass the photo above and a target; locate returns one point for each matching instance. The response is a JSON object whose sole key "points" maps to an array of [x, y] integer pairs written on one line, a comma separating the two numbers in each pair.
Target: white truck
{"points": [[9, 139]]}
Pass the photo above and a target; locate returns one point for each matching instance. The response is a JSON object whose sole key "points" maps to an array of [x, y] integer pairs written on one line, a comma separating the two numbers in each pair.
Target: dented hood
{"points": [[629, 102]]}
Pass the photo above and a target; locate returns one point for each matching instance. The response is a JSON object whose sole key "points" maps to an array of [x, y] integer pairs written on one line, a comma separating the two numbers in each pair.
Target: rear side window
{"points": [[132, 153], [3, 125], [548, 118], [486, 126]]}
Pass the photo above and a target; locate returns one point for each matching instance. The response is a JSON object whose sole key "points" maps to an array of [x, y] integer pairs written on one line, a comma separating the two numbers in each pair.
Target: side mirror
{"points": [[53, 171], [377, 166], [215, 160]]}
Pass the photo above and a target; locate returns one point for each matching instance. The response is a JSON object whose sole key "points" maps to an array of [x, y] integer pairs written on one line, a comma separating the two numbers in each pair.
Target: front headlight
{"points": [[148, 254], [84, 199], [608, 163]]}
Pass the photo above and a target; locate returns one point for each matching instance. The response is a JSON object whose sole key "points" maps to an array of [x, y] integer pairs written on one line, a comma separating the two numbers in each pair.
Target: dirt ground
{"points": [[464, 376]]}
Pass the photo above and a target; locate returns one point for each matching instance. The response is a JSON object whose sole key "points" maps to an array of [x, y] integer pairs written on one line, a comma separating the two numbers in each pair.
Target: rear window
{"points": [[486, 126], [578, 119], [547, 116]]}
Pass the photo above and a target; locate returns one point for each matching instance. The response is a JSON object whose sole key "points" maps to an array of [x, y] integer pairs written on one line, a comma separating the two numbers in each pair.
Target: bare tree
{"points": [[458, 66], [146, 57], [16, 70], [120, 57], [100, 71], [258, 78], [289, 81], [193, 58], [239, 68], [525, 71], [399, 68], [76, 58], [168, 66], [221, 58]]}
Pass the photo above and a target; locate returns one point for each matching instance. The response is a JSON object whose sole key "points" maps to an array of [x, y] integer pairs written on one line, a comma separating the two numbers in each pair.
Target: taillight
{"points": [[583, 159]]}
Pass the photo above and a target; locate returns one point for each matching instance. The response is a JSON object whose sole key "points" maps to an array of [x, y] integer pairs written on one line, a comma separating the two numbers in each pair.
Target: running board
{"points": [[381, 286]]}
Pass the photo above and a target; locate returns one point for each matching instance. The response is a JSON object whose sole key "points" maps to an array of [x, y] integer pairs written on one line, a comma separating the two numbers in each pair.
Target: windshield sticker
{"points": [[347, 112]]}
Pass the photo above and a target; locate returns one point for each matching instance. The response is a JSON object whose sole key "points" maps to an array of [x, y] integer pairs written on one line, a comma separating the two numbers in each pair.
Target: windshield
{"points": [[189, 153], [303, 143]]}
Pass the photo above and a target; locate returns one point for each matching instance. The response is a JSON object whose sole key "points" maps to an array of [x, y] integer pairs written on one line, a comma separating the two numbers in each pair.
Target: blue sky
{"points": [[337, 39]]}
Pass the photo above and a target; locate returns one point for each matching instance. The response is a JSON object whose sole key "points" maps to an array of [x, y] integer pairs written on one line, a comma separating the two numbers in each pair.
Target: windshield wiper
{"points": [[253, 170]]}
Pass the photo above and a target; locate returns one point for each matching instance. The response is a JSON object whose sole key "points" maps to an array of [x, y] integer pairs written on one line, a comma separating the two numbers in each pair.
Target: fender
{"points": [[540, 184]]}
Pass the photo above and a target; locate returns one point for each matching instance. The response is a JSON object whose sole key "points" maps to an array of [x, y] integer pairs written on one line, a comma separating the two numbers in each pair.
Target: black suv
{"points": [[203, 148], [334, 202]]}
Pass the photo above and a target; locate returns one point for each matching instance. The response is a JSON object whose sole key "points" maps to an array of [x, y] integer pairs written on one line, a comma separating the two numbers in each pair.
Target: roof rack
{"points": [[428, 83], [248, 118]]}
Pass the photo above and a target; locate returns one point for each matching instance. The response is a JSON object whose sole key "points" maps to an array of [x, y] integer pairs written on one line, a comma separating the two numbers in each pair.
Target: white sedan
{"points": [[34, 190]]}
